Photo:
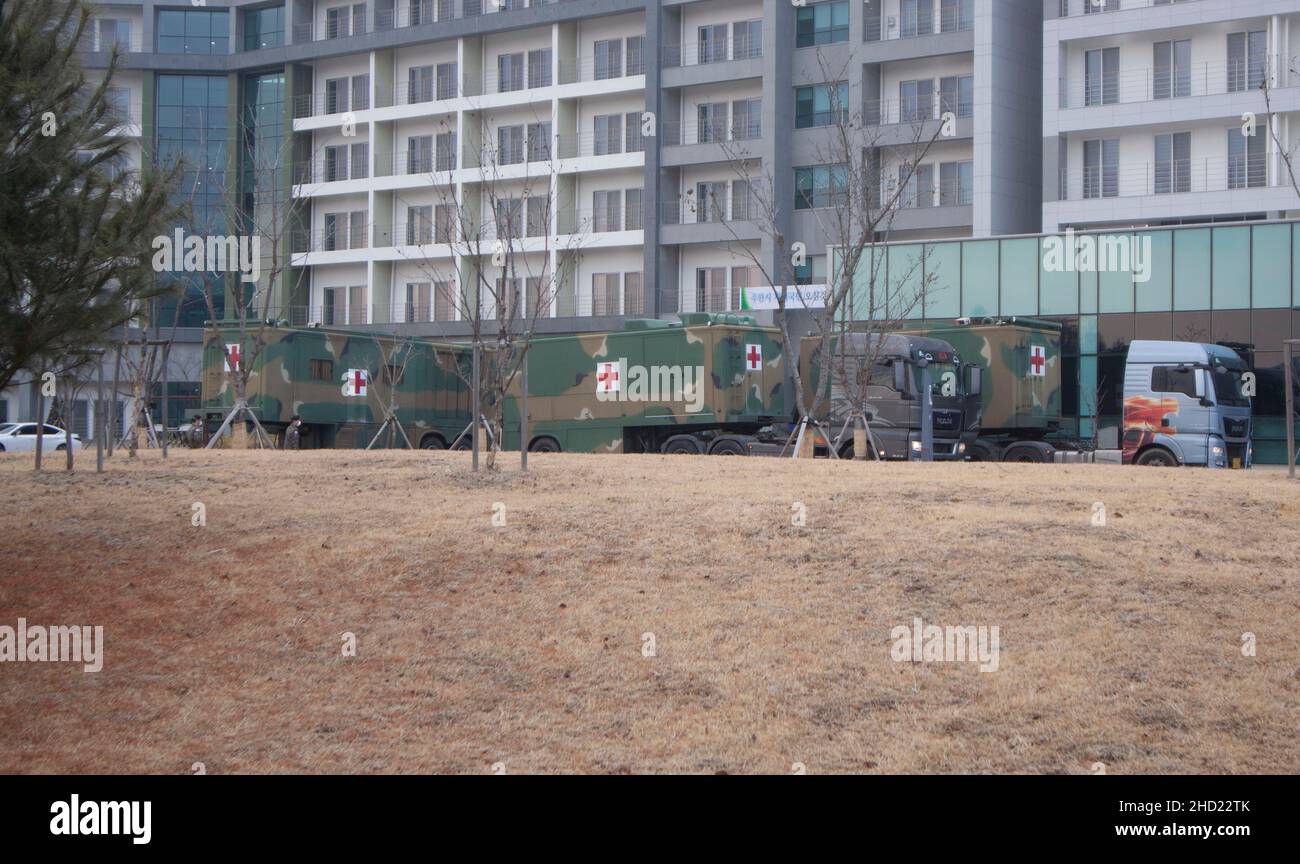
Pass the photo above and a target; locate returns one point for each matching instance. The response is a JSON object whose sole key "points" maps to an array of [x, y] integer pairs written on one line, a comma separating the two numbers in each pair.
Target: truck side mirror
{"points": [[900, 376], [1199, 378], [974, 379]]}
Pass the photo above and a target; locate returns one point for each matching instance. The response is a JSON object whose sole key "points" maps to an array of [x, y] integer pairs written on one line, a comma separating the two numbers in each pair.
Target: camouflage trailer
{"points": [[894, 402], [339, 383], [1020, 359], [687, 386], [655, 386]]}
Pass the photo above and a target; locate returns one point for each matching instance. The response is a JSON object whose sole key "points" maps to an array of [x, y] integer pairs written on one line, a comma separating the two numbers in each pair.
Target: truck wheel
{"points": [[727, 447], [1157, 457], [463, 444], [984, 451], [433, 442], [682, 445], [1023, 453], [544, 445]]}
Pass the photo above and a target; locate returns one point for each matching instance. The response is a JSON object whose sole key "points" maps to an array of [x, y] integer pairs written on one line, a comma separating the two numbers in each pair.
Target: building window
{"points": [[510, 72], [955, 179], [539, 141], [419, 84], [609, 59], [446, 80], [194, 32], [915, 101], [957, 95], [1101, 168], [608, 129], [1247, 60], [633, 295], [711, 120], [1173, 163], [711, 201], [633, 142], [711, 289], [713, 43], [539, 67], [607, 211], [635, 55], [604, 294], [917, 18], [336, 163], [956, 15], [509, 217], [918, 185], [418, 302], [419, 154], [1101, 76], [263, 28], [822, 24], [746, 119], [538, 215], [1172, 69], [1247, 168], [446, 151], [113, 33], [819, 186], [632, 218], [419, 225], [747, 39], [444, 306], [821, 105], [510, 145]]}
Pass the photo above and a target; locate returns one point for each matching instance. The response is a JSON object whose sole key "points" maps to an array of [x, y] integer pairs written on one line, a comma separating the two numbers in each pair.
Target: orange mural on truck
{"points": [[1143, 418]]}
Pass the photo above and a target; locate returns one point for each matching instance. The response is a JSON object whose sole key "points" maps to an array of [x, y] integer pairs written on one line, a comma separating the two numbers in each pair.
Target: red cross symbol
{"points": [[232, 352], [1036, 360], [358, 381], [755, 357], [607, 377]]}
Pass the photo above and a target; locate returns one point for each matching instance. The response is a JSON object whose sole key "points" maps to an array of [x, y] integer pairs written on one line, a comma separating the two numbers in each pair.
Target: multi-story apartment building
{"points": [[1154, 113], [588, 130]]}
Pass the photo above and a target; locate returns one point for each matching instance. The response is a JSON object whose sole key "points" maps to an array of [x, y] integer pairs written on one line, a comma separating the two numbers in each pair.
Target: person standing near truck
{"points": [[292, 435]]}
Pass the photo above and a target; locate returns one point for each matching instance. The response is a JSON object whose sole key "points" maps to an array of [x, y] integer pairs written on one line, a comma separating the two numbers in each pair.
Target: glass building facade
{"points": [[194, 31], [191, 123], [1233, 284]]}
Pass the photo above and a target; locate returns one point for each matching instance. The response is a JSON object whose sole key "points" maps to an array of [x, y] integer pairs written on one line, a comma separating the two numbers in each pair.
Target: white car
{"points": [[21, 438]]}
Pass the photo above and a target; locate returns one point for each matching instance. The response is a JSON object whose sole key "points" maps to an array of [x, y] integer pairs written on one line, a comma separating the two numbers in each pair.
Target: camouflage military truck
{"points": [[338, 382], [698, 385], [1020, 359], [894, 395]]}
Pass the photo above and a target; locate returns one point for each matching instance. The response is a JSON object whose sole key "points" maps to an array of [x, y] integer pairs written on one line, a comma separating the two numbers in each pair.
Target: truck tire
{"points": [[544, 445], [1156, 457], [432, 442], [985, 451], [728, 447], [682, 445], [1028, 451]]}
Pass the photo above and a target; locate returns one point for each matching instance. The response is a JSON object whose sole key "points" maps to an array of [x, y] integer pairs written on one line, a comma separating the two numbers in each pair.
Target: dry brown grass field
{"points": [[523, 644]]}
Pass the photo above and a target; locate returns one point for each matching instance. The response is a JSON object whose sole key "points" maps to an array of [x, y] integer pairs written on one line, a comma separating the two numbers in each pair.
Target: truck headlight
{"points": [[916, 446], [961, 448]]}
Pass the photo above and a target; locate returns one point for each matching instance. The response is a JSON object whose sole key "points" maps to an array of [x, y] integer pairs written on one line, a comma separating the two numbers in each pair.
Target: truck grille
{"points": [[1236, 427], [947, 421]]}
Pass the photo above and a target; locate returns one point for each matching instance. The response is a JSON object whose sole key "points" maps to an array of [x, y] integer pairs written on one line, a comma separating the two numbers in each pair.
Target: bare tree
{"points": [[270, 213], [517, 242], [1286, 152], [856, 213], [394, 354]]}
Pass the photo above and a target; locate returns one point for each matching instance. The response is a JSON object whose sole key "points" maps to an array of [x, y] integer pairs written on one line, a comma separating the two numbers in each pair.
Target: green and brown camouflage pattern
{"points": [[562, 389], [432, 399], [563, 404], [1015, 402]]}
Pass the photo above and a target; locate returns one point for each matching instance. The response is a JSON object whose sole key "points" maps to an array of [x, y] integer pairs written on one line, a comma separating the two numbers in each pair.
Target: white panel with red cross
{"points": [[355, 382], [1037, 361], [753, 358]]}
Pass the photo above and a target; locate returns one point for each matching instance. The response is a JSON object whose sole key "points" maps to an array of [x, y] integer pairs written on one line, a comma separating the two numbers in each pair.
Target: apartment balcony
{"points": [[95, 41], [321, 105], [688, 220], [1175, 177], [1160, 85], [580, 70], [407, 14], [692, 64], [692, 142], [904, 37], [1082, 8], [621, 151], [344, 245], [415, 240]]}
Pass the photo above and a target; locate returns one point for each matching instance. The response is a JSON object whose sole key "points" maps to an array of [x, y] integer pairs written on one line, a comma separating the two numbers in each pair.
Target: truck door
{"points": [[1190, 424]]}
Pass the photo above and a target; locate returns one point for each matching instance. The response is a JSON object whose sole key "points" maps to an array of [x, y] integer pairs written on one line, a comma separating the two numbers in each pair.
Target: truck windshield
{"points": [[945, 376], [1227, 377]]}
